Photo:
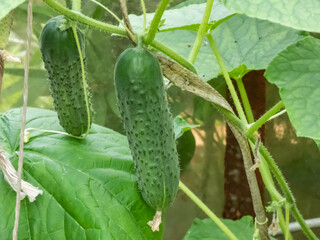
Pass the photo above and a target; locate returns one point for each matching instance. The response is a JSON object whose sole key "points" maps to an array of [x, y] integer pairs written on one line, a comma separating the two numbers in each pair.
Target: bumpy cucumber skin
{"points": [[148, 123], [5, 27], [62, 62]]}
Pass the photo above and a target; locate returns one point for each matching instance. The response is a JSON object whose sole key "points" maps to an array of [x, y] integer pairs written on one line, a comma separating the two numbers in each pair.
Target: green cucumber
{"points": [[63, 64], [148, 124], [186, 145]]}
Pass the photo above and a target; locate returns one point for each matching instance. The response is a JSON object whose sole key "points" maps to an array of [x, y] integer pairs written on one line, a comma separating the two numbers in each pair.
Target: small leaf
{"points": [[303, 15], [296, 73], [181, 126]]}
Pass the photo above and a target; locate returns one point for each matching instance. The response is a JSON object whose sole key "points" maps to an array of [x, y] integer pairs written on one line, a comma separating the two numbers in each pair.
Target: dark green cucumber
{"points": [[62, 62], [148, 123], [186, 145]]}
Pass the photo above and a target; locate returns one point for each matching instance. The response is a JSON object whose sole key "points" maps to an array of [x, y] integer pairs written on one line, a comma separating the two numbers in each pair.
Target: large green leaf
{"points": [[7, 6], [89, 189], [304, 15], [241, 41], [184, 18], [206, 229], [296, 73]]}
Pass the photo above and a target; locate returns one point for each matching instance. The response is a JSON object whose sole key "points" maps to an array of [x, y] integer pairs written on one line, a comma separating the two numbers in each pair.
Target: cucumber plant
{"points": [[142, 100]]}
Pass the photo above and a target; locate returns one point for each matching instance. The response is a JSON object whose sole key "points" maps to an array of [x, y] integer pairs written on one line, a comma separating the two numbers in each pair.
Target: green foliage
{"points": [[90, 191], [296, 73], [7, 6], [206, 229], [186, 17], [304, 15], [241, 41]]}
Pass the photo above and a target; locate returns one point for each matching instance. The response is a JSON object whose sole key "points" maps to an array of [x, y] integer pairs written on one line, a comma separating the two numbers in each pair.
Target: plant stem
{"points": [[264, 118], [155, 21], [178, 58], [53, 131], [283, 224], [305, 228], [76, 16], [287, 209], [207, 211], [117, 30], [277, 114], [143, 6], [76, 5], [267, 178], [269, 184], [83, 76], [227, 78], [286, 190], [131, 35], [245, 100], [202, 30], [258, 207]]}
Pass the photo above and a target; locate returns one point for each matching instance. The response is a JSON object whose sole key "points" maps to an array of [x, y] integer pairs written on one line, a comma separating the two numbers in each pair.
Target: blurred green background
{"points": [[298, 158]]}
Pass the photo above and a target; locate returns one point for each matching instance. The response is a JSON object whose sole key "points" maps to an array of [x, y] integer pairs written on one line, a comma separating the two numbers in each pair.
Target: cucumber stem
{"points": [[77, 16], [155, 21], [245, 100], [143, 6], [49, 131], [207, 211], [201, 32], [264, 118], [227, 79], [84, 83]]}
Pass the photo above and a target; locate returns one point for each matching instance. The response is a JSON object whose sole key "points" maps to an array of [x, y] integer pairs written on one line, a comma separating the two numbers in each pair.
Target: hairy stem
{"points": [[264, 118], [286, 190], [155, 21], [227, 78], [207, 211], [245, 100], [76, 16], [268, 182], [202, 30], [261, 218]]}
